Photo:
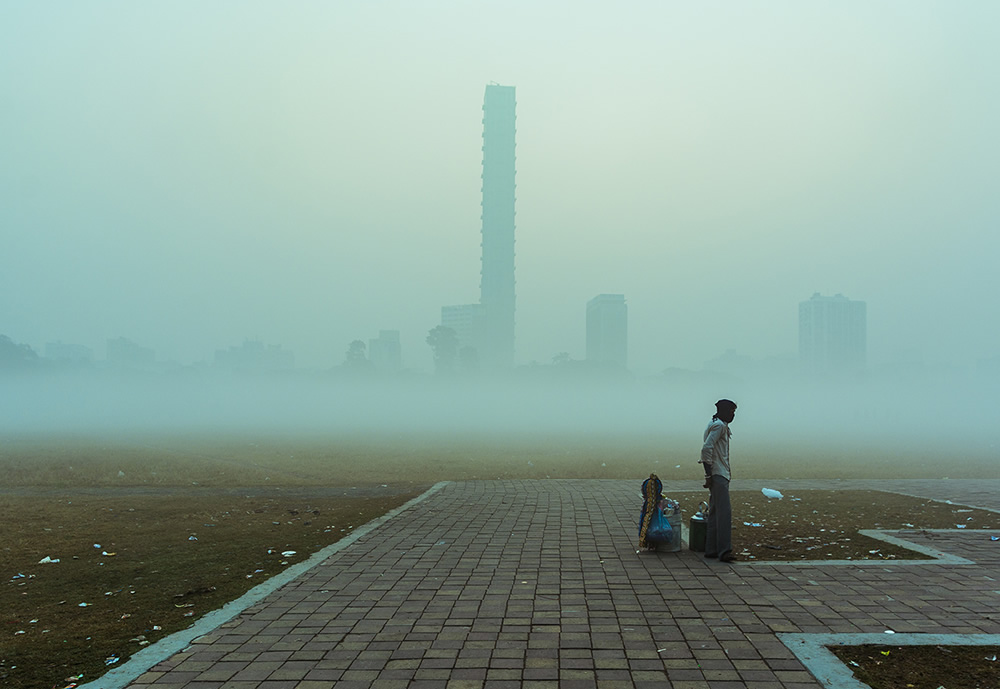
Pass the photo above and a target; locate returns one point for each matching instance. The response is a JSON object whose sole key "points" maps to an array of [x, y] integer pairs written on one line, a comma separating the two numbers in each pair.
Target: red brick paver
{"points": [[538, 584]]}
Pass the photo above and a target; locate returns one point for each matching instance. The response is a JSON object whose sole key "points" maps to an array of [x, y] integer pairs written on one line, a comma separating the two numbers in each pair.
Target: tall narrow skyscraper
{"points": [[497, 278]]}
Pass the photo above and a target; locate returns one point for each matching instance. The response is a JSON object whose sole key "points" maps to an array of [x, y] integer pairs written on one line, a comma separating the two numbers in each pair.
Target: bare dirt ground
{"points": [[152, 532], [919, 667]]}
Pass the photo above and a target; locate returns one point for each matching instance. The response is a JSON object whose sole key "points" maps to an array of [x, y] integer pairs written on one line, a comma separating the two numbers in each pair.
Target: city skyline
{"points": [[310, 176]]}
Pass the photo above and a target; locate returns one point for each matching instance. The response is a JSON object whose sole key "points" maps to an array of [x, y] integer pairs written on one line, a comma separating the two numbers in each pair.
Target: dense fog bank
{"points": [[877, 414]]}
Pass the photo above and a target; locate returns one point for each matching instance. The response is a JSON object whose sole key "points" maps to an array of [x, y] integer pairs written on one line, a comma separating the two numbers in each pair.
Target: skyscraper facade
{"points": [[607, 330], [385, 352], [832, 335], [497, 278], [467, 321]]}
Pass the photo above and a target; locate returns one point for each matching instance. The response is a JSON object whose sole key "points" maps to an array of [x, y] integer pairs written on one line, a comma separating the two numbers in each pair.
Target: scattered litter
{"points": [[959, 526], [47, 560], [111, 660], [106, 553], [157, 627], [83, 605], [995, 538], [20, 631], [885, 653], [287, 553], [889, 631], [33, 621], [17, 576], [989, 658], [771, 493], [97, 545], [192, 538], [855, 664], [121, 474], [753, 524]]}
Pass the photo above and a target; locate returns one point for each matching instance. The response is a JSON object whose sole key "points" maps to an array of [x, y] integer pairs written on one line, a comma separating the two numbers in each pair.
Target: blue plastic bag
{"points": [[659, 530], [653, 525]]}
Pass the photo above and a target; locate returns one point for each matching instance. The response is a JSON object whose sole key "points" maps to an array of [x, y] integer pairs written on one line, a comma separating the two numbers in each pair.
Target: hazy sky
{"points": [[191, 174]]}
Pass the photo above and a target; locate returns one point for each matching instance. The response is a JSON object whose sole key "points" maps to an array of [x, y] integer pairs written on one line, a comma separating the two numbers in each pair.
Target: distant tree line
{"points": [[15, 356]]}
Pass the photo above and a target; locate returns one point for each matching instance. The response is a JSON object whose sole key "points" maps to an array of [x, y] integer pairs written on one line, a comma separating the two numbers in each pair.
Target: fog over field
{"points": [[184, 178], [882, 417]]}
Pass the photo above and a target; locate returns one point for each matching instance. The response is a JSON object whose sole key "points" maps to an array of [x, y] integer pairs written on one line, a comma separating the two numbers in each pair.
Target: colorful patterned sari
{"points": [[652, 523]]}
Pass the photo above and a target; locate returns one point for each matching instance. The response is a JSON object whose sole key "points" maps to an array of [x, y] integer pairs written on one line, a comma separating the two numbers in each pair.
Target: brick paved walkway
{"points": [[497, 584]]}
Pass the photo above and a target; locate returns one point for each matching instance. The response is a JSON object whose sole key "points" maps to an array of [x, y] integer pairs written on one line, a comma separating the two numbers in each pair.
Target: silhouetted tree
{"points": [[15, 356], [355, 360], [444, 343], [356, 352]]}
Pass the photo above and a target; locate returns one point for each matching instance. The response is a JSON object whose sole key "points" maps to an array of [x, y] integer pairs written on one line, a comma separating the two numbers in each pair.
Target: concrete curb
{"points": [[939, 556], [143, 660], [813, 651]]}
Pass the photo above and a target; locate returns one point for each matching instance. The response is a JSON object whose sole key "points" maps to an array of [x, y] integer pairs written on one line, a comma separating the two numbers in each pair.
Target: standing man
{"points": [[715, 458]]}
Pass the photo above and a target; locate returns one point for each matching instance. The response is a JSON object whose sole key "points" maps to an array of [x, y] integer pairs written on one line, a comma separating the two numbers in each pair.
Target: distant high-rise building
{"points": [[832, 334], [385, 352], [607, 330], [469, 323], [254, 356], [62, 351], [497, 282], [123, 351]]}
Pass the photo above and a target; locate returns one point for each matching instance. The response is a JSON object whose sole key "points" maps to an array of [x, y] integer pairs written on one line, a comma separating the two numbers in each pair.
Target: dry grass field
{"points": [[210, 459], [152, 531]]}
